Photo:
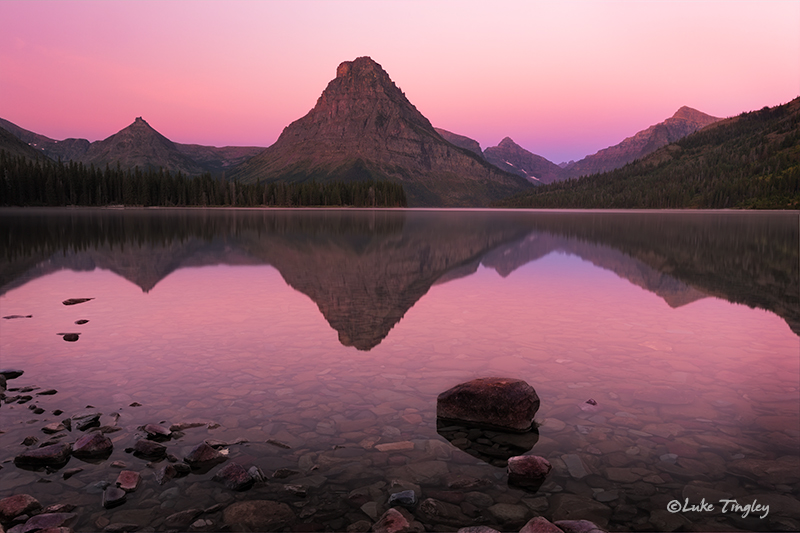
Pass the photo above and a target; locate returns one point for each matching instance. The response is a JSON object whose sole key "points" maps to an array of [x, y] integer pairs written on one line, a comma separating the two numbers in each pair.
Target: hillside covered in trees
{"points": [[42, 182], [751, 161]]}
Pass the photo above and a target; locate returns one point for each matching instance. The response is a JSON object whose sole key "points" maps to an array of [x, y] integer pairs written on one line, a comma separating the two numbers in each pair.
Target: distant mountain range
{"points": [[748, 161], [137, 145], [362, 127]]}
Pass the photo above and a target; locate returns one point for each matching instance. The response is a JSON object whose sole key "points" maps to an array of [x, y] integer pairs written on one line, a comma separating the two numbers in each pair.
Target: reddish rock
{"points": [[156, 432], [16, 505], [540, 524], [49, 520], [578, 526], [234, 476], [504, 403], [391, 522], [92, 445], [529, 466], [128, 480], [54, 454], [203, 453]]}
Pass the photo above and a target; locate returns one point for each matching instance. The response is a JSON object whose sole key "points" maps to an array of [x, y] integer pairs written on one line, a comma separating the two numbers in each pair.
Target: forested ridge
{"points": [[47, 183], [750, 162]]}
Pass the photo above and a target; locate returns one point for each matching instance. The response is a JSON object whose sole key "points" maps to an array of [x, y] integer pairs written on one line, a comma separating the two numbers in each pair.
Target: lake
{"points": [[312, 344]]}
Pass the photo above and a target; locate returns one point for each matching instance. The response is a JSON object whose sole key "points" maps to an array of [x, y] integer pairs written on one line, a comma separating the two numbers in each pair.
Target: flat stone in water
{"points": [[69, 472], [81, 321], [48, 521], [157, 432], [70, 337], [11, 373], [54, 454], [575, 465], [75, 301], [55, 427], [406, 498], [48, 392], [128, 480]]}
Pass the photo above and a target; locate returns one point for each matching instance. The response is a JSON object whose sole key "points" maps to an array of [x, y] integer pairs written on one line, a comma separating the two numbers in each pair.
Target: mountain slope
{"points": [[748, 161], [140, 145], [461, 141], [15, 147], [66, 150], [685, 121], [510, 156], [363, 127]]}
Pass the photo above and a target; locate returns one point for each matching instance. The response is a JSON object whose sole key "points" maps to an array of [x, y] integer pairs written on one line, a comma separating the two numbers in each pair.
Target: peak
{"points": [[507, 142], [688, 113], [359, 67], [140, 120]]}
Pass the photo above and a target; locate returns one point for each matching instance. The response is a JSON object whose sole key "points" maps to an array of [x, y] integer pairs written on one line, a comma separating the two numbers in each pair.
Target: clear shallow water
{"points": [[333, 332]]}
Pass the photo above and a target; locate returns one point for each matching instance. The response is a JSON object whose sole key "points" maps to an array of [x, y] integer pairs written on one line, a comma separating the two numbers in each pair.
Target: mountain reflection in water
{"points": [[366, 269]]}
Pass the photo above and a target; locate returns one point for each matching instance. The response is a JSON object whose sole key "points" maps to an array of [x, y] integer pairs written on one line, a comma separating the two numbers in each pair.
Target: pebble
{"points": [[113, 497], [128, 480]]}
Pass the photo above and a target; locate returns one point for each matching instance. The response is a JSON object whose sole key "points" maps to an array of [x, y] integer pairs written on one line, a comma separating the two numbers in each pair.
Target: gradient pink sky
{"points": [[563, 79]]}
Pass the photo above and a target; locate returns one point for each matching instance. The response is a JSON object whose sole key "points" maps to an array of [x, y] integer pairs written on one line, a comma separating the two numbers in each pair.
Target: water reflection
{"points": [[365, 270]]}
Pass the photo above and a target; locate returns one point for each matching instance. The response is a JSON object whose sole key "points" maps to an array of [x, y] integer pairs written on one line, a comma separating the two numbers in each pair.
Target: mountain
{"points": [[362, 128], [137, 145], [218, 160], [16, 147], [748, 161], [68, 149], [685, 121], [461, 141], [140, 145], [510, 156]]}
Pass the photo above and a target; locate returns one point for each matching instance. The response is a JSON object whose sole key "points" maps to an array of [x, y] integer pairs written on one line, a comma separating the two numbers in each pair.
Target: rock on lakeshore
{"points": [[495, 402], [234, 476]]}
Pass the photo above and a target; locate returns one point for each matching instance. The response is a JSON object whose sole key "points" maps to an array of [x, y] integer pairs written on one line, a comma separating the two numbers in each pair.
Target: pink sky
{"points": [[563, 79]]}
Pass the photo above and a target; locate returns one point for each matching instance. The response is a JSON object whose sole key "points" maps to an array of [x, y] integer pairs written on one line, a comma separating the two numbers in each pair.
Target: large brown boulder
{"points": [[503, 403]]}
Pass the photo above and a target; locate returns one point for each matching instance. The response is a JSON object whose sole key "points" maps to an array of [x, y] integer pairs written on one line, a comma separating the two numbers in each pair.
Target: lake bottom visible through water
{"points": [[690, 403]]}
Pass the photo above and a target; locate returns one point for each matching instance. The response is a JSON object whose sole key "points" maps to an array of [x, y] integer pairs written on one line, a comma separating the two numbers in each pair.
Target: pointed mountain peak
{"points": [[687, 113], [507, 142]]}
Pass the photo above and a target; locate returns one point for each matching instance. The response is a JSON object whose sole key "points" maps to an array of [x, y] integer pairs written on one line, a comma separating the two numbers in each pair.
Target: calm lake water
{"points": [[314, 345]]}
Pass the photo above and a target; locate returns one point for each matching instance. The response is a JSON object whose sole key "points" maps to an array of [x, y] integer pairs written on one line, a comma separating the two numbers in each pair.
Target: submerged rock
{"points": [[113, 497], [203, 453], [258, 515], [494, 402], [528, 470], [234, 476], [47, 521]]}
